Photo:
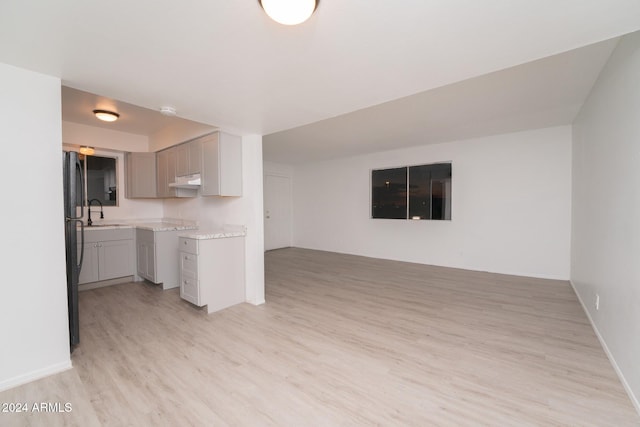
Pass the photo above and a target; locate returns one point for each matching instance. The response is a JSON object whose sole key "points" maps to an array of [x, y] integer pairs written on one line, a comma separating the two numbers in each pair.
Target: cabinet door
{"points": [[182, 160], [141, 258], [189, 158], [114, 259], [146, 257], [151, 262], [194, 149], [221, 165], [166, 172], [145, 245], [140, 169], [162, 173], [210, 170], [89, 270], [171, 171]]}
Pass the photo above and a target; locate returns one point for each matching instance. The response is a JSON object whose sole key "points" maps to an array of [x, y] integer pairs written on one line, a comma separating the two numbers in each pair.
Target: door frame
{"points": [[290, 203]]}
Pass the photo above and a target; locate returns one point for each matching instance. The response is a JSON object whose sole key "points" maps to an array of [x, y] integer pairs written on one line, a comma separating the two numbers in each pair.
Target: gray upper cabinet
{"points": [[166, 172], [140, 175], [168, 162], [221, 165], [189, 158], [217, 157]]}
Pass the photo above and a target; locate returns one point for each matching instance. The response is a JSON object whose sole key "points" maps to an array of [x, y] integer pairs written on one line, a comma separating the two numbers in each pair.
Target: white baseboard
{"points": [[103, 283], [35, 375], [259, 302], [616, 368]]}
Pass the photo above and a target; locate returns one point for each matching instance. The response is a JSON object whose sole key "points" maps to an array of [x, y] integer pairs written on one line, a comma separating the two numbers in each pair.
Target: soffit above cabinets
{"points": [[78, 106]]}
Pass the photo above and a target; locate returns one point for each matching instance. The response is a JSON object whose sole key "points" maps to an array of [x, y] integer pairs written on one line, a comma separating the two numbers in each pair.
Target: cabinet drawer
{"points": [[188, 245], [189, 263], [189, 289]]}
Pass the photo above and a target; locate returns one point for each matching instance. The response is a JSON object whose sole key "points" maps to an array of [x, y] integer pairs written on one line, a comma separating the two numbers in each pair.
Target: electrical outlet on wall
{"points": [[597, 302]]}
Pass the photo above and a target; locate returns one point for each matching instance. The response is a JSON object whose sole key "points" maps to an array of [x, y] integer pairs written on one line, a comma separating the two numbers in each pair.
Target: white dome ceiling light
{"points": [[106, 116], [289, 12]]}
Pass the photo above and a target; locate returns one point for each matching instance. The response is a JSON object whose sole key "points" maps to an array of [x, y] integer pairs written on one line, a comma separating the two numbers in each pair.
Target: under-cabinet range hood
{"points": [[187, 181]]}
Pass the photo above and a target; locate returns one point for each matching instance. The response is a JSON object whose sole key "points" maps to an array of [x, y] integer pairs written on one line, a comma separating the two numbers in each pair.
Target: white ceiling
{"points": [[543, 93], [226, 64], [78, 106]]}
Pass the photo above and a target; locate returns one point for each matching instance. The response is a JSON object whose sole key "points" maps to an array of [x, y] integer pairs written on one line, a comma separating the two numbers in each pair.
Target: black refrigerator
{"points": [[74, 235]]}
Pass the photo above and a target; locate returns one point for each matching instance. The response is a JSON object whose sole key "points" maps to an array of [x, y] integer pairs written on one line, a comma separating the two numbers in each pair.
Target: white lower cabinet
{"points": [[146, 255], [108, 254], [212, 272], [156, 255], [189, 287]]}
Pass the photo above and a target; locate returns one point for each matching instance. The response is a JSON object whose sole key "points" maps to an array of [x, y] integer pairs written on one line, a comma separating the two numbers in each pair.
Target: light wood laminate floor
{"points": [[342, 341]]}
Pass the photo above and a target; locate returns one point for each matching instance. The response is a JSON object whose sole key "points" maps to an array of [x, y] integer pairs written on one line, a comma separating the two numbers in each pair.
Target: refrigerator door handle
{"points": [[81, 172], [81, 258], [78, 166]]}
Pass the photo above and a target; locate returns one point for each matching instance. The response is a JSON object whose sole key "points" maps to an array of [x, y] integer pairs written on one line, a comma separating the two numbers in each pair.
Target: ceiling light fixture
{"points": [[106, 116], [289, 12], [87, 151]]}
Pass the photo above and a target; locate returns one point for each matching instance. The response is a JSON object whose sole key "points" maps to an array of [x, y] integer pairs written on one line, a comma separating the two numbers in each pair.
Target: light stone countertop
{"points": [[107, 227], [216, 234], [153, 226], [164, 226]]}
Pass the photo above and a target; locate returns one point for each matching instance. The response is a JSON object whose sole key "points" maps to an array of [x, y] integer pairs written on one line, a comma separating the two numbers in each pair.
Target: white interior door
{"points": [[277, 211]]}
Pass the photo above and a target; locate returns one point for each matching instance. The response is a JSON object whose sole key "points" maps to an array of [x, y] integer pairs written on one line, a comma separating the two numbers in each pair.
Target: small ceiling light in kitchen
{"points": [[106, 116], [87, 151], [289, 12]]}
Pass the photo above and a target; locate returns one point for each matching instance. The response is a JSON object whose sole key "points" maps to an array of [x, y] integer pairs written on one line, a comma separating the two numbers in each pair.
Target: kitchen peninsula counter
{"points": [[214, 234], [164, 226], [152, 226], [212, 267]]}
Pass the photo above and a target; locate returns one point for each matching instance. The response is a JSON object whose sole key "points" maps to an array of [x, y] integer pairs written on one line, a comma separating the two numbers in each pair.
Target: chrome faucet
{"points": [[89, 222]]}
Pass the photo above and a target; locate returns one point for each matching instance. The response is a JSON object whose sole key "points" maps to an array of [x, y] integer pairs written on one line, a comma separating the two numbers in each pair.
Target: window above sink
{"points": [[101, 179]]}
